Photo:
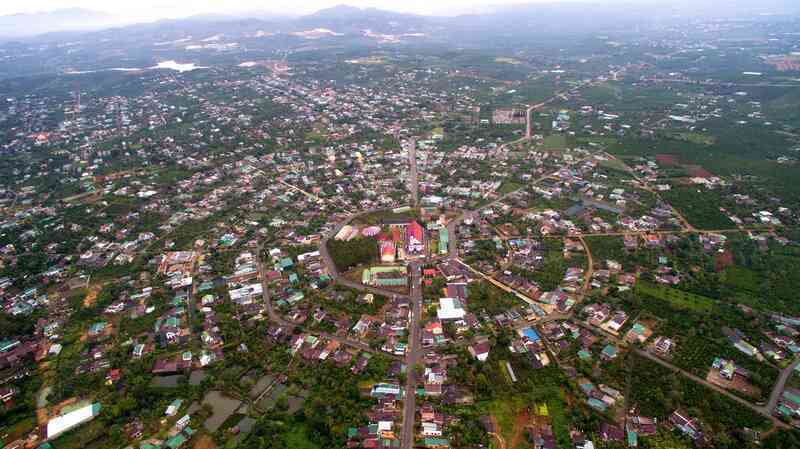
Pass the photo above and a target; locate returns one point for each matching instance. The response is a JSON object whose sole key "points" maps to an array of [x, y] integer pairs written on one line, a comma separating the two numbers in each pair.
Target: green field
{"points": [[614, 164], [508, 187], [555, 142], [699, 206], [603, 141], [505, 412], [742, 278], [698, 138], [600, 94], [606, 247], [298, 438], [676, 298]]}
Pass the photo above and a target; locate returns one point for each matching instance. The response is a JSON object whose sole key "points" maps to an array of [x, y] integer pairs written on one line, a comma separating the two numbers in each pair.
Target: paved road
{"points": [[761, 410], [277, 318], [306, 193], [589, 270], [497, 283], [775, 395], [529, 115], [412, 358], [452, 226], [764, 411], [413, 180], [722, 83]]}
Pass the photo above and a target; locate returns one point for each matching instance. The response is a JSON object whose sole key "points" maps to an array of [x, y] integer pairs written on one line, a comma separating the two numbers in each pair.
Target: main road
{"points": [[780, 384], [413, 180], [413, 355]]}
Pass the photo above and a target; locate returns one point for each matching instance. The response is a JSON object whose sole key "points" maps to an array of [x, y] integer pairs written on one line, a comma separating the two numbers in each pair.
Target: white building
{"points": [[450, 309]]}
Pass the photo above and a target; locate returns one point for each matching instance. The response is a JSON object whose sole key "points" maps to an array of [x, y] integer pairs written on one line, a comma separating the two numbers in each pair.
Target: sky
{"points": [[154, 9]]}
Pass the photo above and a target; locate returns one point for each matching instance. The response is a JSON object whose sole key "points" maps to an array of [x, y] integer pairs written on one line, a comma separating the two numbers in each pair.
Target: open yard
{"points": [[223, 407], [511, 416], [204, 442], [555, 142], [676, 298], [508, 187], [737, 383]]}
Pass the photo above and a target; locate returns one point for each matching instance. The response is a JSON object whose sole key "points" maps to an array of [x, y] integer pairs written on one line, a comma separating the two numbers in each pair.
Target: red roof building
{"points": [[415, 238]]}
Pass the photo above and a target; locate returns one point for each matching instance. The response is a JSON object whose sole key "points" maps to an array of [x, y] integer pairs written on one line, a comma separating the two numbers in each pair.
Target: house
{"points": [[638, 333], [450, 309], [384, 389], [430, 429], [480, 350], [457, 290], [610, 432], [609, 352], [396, 276], [617, 321], [663, 345], [6, 394], [444, 241], [685, 425]]}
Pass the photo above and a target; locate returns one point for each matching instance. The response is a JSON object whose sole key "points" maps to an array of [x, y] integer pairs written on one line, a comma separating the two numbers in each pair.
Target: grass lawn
{"points": [[376, 218], [512, 414], [676, 298], [508, 187], [603, 141], [742, 278], [505, 411], [698, 138], [606, 247], [555, 142], [602, 93], [614, 164], [298, 438]]}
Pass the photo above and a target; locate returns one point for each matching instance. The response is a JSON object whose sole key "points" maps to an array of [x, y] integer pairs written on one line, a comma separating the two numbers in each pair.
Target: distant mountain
{"points": [[349, 19], [73, 19]]}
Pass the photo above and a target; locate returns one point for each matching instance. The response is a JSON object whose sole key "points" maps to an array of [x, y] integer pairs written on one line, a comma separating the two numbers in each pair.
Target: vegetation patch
{"points": [[298, 438], [348, 254], [698, 138], [678, 299], [699, 206], [508, 187], [555, 142]]}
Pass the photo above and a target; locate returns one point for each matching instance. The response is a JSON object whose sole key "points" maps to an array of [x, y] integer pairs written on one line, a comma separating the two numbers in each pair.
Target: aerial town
{"points": [[382, 247]]}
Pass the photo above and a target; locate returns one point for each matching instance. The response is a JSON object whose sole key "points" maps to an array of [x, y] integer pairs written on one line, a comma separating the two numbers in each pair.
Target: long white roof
{"points": [[62, 423]]}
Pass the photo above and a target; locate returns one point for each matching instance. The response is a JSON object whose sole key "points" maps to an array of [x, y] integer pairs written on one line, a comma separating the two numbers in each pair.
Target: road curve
{"points": [[276, 318]]}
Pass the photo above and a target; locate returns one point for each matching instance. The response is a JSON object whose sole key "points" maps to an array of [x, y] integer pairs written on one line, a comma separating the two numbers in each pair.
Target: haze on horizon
{"points": [[36, 17], [159, 9]]}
